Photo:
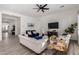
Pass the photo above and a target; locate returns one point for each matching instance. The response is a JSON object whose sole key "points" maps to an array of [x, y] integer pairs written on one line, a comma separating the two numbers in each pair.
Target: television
{"points": [[54, 25]]}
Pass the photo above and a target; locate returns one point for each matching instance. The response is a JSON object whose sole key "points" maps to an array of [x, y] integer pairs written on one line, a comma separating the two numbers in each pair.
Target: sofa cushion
{"points": [[29, 33], [38, 37]]}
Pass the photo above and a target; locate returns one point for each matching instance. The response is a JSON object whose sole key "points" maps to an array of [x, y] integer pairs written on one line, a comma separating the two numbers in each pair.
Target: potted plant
{"points": [[71, 28]]}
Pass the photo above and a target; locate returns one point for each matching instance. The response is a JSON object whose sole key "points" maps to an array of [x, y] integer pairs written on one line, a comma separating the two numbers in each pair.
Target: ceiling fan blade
{"points": [[44, 5], [37, 5], [35, 8], [38, 10], [46, 8], [42, 10]]}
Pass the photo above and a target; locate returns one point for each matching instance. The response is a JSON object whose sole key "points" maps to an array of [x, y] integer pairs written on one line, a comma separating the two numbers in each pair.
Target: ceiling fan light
{"points": [[41, 7]]}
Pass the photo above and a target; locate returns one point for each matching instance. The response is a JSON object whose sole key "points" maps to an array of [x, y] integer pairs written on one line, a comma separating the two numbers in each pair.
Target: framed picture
{"points": [[30, 25]]}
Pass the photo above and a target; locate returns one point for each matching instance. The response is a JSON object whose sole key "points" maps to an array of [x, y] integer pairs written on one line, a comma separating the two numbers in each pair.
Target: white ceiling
{"points": [[27, 9], [8, 18]]}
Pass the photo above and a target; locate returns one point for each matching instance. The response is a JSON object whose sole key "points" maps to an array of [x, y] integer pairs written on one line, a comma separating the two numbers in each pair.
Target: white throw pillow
{"points": [[34, 32], [29, 33]]}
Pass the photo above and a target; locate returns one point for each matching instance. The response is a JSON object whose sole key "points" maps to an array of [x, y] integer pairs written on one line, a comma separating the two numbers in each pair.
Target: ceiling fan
{"points": [[41, 7]]}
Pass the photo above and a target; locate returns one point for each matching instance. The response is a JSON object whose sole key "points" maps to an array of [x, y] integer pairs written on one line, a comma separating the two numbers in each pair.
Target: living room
{"points": [[30, 19]]}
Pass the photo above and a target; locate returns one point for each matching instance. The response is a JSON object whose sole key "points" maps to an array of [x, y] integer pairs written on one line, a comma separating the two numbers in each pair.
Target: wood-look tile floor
{"points": [[10, 46]]}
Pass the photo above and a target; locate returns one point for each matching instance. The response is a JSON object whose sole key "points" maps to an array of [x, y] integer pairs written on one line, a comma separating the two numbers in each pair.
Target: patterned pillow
{"points": [[53, 37]]}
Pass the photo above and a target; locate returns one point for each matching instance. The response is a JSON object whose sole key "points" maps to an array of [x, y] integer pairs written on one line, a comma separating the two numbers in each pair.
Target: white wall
{"points": [[0, 27], [65, 18], [17, 26], [78, 28], [24, 21]]}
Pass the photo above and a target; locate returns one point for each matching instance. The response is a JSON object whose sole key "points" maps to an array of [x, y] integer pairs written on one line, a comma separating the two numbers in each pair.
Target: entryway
{"points": [[10, 26]]}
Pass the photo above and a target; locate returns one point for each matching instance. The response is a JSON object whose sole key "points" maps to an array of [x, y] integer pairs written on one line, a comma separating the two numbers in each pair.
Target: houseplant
{"points": [[71, 29]]}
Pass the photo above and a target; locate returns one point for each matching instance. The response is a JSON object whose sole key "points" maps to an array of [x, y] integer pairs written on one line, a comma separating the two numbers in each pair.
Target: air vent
{"points": [[62, 6]]}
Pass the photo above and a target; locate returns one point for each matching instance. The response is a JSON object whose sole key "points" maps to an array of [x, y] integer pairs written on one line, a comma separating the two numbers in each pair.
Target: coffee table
{"points": [[59, 46]]}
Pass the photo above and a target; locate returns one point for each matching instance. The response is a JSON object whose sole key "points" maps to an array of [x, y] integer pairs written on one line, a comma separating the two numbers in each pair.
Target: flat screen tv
{"points": [[54, 25]]}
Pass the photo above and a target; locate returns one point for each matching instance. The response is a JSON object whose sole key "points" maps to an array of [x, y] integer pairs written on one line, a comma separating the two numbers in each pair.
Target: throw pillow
{"points": [[53, 37], [29, 33], [38, 37]]}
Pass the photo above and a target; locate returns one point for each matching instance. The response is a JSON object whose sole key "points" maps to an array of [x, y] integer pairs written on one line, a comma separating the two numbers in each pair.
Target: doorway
{"points": [[10, 26]]}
